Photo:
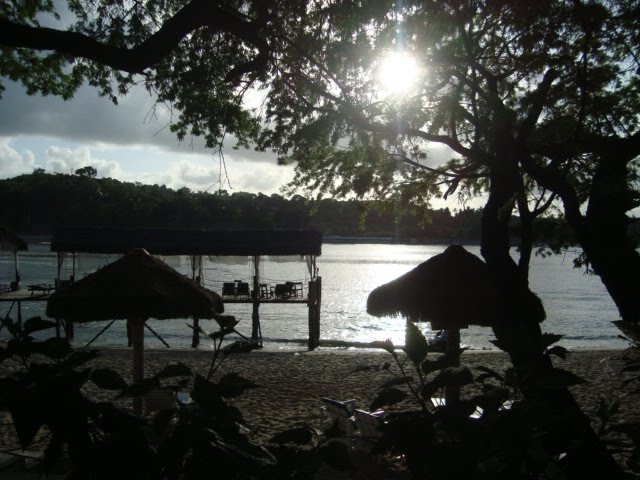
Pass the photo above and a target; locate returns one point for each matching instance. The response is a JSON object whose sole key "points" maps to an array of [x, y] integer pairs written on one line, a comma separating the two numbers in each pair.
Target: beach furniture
{"points": [[369, 425], [135, 287], [439, 402], [340, 414], [242, 289], [297, 290], [283, 290], [42, 288], [264, 291], [229, 289]]}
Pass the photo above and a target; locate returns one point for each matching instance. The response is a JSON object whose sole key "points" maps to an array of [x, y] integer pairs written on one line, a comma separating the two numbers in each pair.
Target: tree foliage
{"points": [[39, 203]]}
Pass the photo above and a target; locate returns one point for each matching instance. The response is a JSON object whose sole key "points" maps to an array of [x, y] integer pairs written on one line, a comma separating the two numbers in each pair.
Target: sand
{"points": [[292, 382]]}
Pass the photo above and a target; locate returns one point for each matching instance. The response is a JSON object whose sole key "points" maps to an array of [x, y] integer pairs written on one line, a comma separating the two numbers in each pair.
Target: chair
{"points": [[282, 291], [228, 289], [340, 414], [291, 289], [369, 424], [242, 289], [264, 291]]}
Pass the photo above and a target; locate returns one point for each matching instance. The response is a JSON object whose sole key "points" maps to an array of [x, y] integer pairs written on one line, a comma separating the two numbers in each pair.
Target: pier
{"points": [[254, 244]]}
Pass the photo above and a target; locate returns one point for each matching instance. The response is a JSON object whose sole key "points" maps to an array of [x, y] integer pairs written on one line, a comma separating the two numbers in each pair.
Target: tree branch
{"points": [[540, 96], [196, 14]]}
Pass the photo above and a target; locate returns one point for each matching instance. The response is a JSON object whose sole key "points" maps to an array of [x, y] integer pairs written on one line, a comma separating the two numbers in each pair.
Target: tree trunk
{"points": [[605, 239], [518, 331], [603, 232]]}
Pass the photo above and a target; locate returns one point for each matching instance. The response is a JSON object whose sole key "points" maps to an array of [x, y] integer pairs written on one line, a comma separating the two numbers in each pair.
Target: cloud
{"points": [[12, 162], [90, 119], [67, 160], [235, 176], [183, 173], [87, 117], [258, 177]]}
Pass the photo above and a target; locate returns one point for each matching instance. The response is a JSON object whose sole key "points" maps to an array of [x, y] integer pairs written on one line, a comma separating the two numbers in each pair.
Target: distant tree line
{"points": [[40, 202]]}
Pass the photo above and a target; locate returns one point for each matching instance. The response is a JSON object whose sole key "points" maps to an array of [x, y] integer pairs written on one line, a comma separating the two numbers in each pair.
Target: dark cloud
{"points": [[88, 118]]}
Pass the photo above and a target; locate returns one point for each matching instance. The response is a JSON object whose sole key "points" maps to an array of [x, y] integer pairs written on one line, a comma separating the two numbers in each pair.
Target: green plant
{"points": [[511, 435], [624, 436], [103, 441]]}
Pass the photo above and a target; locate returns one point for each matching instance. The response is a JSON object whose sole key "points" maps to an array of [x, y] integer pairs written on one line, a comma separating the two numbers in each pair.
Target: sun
{"points": [[398, 73]]}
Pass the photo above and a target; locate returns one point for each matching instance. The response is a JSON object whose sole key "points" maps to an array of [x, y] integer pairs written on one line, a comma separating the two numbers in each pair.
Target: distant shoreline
{"points": [[328, 239]]}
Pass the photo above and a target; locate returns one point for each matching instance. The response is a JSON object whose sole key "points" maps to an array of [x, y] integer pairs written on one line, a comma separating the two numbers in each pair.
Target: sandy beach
{"points": [[291, 383]]}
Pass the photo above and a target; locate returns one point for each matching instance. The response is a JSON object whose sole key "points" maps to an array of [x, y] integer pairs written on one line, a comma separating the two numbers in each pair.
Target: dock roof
{"points": [[9, 241], [187, 242]]}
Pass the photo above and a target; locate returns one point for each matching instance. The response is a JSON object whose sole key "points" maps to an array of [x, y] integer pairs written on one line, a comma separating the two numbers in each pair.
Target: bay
{"points": [[577, 304]]}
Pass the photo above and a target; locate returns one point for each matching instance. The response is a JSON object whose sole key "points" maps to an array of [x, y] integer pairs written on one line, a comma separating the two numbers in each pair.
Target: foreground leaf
{"points": [[549, 339], [175, 370], [233, 385], [416, 346], [36, 324], [387, 397], [108, 379]]}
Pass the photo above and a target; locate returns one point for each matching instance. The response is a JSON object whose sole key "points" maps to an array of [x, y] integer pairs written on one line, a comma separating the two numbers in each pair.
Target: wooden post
{"points": [[317, 311], [137, 334], [452, 393], [314, 312], [60, 260], [256, 334], [19, 314], [68, 329], [15, 258], [195, 338]]}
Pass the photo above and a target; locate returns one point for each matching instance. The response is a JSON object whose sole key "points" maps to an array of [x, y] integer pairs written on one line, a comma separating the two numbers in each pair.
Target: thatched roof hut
{"points": [[135, 286], [450, 290], [10, 242]]}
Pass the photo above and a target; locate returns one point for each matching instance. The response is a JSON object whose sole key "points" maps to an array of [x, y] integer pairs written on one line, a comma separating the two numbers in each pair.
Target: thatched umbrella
{"points": [[10, 242], [135, 287], [451, 290]]}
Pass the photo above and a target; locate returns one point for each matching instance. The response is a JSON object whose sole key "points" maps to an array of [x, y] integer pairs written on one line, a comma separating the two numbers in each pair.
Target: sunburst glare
{"points": [[398, 73]]}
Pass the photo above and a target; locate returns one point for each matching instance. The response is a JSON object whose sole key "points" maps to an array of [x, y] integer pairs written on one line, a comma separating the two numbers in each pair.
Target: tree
{"points": [[88, 171]]}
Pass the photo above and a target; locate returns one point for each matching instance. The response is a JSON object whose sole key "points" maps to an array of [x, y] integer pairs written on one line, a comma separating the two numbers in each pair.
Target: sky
{"points": [[127, 142]]}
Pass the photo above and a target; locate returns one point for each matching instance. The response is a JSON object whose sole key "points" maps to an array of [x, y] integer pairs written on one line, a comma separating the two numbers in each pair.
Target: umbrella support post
{"points": [[256, 331], [195, 336], [452, 393], [315, 295], [99, 333], [137, 334], [68, 329], [157, 335]]}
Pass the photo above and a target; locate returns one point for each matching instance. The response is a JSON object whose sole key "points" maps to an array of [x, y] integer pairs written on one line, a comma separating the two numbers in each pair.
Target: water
{"points": [[577, 304]]}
